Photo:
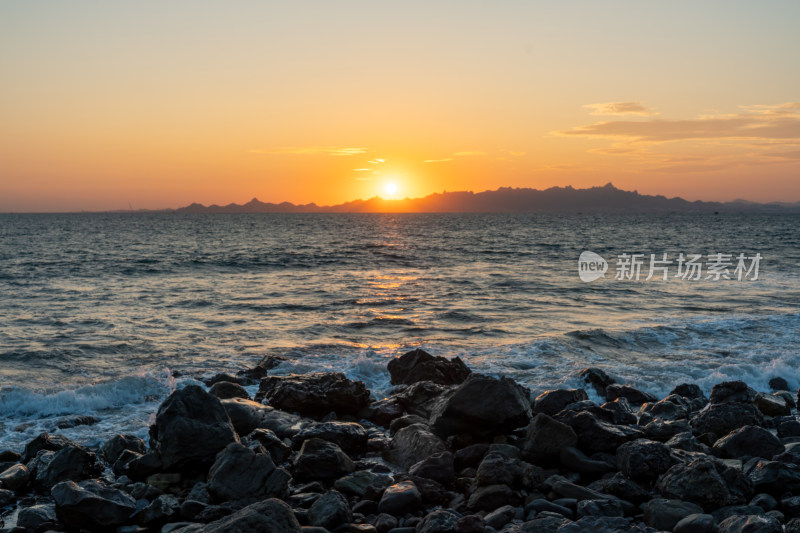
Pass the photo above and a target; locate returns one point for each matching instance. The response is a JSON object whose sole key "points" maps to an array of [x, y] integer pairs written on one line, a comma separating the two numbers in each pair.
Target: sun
{"points": [[391, 188]]}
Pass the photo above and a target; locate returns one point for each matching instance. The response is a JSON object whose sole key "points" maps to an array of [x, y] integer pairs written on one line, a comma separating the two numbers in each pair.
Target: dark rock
{"points": [[191, 427], [383, 412], [356, 483], [270, 515], [271, 443], [400, 499], [772, 405], [663, 409], [117, 444], [315, 394], [597, 378], [600, 508], [411, 445], [471, 523], [163, 509], [773, 477], [778, 383], [438, 467], [238, 473], [44, 441], [330, 511], [470, 456], [418, 365], [482, 405], [15, 477], [405, 421], [545, 524], [690, 391], [706, 482], [10, 456], [788, 428], [643, 459], [634, 396], [540, 504], [320, 459], [732, 391], [606, 524], [765, 501], [496, 469], [750, 524], [621, 487], [247, 416], [696, 523], [735, 510], [552, 401], [420, 398], [748, 441], [433, 492], [72, 462], [351, 437], [221, 378], [440, 521], [37, 516], [664, 514], [91, 505], [7, 497], [490, 497], [722, 418], [664, 430], [594, 435], [686, 441], [385, 522], [75, 421], [577, 461], [545, 438], [225, 390]]}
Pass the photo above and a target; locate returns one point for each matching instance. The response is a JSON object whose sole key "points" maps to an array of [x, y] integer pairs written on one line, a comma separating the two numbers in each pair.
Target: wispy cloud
{"points": [[313, 150], [362, 169], [620, 108], [377, 161], [438, 160], [468, 153]]}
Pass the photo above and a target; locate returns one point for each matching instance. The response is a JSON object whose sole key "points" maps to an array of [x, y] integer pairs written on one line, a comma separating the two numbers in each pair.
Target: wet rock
{"points": [[496, 469], [643, 459], [385, 522], [664, 514], [663, 430], [545, 438], [788, 428], [440, 521], [163, 509], [482, 405], [270, 515], [191, 428], [315, 394], [277, 449], [400, 498], [37, 517], [539, 505], [91, 505], [773, 477], [750, 524], [420, 398], [75, 421], [72, 462], [771, 405], [688, 442], [600, 508], [351, 437], [411, 445], [552, 401], [419, 365], [545, 524], [706, 482], [567, 489], [15, 478], [247, 416], [470, 456], [595, 435], [7, 497], [113, 447], [490, 497], [735, 510], [633, 395], [597, 379], [383, 412], [577, 461], [320, 459], [238, 473], [778, 383], [356, 483], [438, 467], [617, 412], [748, 441], [696, 523], [621, 487], [665, 409], [225, 390], [606, 524], [44, 441], [731, 391], [765, 501], [330, 511], [722, 418]]}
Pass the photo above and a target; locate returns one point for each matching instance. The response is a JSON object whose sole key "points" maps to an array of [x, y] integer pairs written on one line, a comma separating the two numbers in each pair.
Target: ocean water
{"points": [[99, 311]]}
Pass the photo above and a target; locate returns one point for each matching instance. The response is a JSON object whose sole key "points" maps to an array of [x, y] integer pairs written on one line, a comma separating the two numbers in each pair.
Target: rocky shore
{"points": [[449, 451]]}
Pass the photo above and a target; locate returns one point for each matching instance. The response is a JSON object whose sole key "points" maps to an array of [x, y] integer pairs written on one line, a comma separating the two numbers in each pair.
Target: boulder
{"points": [[595, 435], [163, 509], [411, 445], [191, 428], [400, 498], [419, 365], [490, 497], [247, 416], [552, 401], [271, 515], [731, 391], [643, 459], [546, 438], [772, 405], [321, 460], [497, 469], [44, 441], [225, 390], [15, 477], [238, 473], [355, 484], [748, 441], [470, 456], [420, 398], [315, 394], [599, 508], [72, 462], [440, 521], [330, 511], [664, 514], [773, 477], [117, 444], [597, 379], [483, 406], [722, 418], [687, 442], [750, 524], [36, 517], [351, 437], [707, 482], [267, 438], [438, 467], [696, 523], [633, 395], [577, 461], [621, 487], [91, 505], [778, 384]]}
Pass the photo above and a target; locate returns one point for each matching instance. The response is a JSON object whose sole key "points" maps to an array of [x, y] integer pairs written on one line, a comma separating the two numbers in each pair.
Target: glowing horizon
{"points": [[152, 105]]}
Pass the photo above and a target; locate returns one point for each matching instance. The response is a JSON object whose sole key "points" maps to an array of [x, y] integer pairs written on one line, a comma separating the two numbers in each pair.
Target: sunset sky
{"points": [[106, 105]]}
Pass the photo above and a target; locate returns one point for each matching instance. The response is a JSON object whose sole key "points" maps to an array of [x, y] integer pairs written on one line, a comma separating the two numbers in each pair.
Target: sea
{"points": [[106, 314]]}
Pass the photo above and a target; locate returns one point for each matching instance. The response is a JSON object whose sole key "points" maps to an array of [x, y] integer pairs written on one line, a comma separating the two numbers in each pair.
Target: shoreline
{"points": [[448, 450]]}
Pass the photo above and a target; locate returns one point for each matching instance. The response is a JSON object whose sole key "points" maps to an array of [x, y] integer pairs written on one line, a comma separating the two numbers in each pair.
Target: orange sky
{"points": [[153, 104]]}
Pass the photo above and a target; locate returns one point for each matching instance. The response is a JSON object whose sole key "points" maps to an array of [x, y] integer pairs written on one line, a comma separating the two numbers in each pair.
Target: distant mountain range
{"points": [[606, 199]]}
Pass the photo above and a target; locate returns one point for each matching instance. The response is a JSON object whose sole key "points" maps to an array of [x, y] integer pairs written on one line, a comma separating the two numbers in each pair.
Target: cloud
{"points": [[314, 150], [376, 161], [620, 108], [438, 160], [468, 153], [362, 169], [780, 122]]}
